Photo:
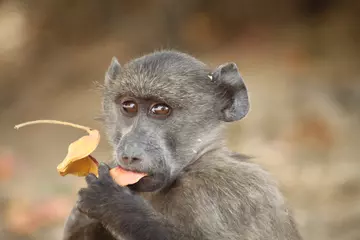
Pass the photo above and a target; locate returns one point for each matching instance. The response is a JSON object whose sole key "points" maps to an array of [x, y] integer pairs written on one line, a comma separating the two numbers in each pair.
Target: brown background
{"points": [[300, 60]]}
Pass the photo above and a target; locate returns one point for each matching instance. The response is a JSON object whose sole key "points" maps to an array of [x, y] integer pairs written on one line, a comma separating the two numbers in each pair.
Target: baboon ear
{"points": [[233, 92], [113, 71]]}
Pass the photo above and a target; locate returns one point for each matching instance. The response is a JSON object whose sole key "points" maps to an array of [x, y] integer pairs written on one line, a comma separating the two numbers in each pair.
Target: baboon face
{"points": [[162, 109]]}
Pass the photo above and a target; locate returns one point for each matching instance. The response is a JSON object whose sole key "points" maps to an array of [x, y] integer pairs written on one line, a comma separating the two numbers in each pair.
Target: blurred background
{"points": [[299, 58]]}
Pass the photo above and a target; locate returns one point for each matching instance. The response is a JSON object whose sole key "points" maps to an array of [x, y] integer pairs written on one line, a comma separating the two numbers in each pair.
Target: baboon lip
{"points": [[133, 170]]}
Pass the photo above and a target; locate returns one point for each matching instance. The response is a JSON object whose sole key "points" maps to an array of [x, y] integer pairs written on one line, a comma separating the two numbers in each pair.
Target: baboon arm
{"points": [[146, 227], [79, 226]]}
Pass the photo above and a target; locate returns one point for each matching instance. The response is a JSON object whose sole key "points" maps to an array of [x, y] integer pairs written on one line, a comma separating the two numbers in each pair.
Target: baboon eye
{"points": [[129, 107], [160, 109]]}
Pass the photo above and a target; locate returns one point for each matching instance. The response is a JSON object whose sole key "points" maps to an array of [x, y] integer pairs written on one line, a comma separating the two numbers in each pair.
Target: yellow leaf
{"points": [[124, 178], [80, 167], [78, 160]]}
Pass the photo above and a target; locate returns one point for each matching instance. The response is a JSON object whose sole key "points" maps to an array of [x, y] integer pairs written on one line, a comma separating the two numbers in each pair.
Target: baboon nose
{"points": [[132, 153]]}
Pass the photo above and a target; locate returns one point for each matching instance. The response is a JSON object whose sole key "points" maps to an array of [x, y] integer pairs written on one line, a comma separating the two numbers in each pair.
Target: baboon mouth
{"points": [[148, 183], [134, 170]]}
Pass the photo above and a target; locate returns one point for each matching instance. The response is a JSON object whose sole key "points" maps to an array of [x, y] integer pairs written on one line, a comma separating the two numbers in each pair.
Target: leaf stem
{"points": [[53, 122]]}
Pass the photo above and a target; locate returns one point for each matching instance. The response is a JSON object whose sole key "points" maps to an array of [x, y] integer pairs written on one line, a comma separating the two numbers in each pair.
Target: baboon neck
{"points": [[213, 145]]}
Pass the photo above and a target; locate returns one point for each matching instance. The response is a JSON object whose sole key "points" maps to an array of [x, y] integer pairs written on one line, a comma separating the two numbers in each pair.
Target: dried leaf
{"points": [[78, 160], [124, 178]]}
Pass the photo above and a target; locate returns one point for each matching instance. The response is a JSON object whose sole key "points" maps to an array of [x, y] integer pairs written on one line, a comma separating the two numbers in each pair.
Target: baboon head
{"points": [[163, 110]]}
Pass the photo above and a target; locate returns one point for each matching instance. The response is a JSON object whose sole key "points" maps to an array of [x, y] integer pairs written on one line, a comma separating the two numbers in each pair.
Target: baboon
{"points": [[164, 115]]}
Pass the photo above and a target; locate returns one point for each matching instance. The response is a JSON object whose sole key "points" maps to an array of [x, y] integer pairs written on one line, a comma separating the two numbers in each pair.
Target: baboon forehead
{"points": [[166, 66], [170, 62], [174, 77]]}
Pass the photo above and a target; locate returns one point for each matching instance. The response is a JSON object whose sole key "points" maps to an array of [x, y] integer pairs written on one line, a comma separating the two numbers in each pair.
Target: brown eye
{"points": [[160, 109], [130, 107]]}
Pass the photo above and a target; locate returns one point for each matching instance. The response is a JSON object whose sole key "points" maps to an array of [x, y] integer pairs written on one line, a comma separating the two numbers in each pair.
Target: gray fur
{"points": [[228, 76], [206, 191], [113, 71]]}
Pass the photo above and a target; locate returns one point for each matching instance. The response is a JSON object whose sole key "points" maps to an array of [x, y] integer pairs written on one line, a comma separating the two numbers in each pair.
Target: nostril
{"points": [[130, 159], [125, 159], [135, 159]]}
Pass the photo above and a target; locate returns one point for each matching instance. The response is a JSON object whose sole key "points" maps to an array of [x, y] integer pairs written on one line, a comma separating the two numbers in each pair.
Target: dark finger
{"points": [[104, 171], [90, 178]]}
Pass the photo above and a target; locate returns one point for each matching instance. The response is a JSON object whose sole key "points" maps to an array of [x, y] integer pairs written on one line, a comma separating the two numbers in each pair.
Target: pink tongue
{"points": [[124, 178]]}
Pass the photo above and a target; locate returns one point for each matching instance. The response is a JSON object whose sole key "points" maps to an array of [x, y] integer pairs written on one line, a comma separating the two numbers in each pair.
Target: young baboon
{"points": [[164, 114]]}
